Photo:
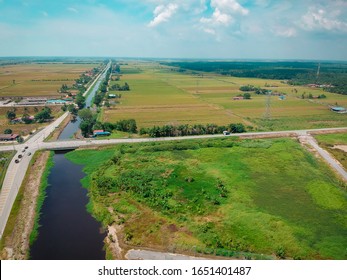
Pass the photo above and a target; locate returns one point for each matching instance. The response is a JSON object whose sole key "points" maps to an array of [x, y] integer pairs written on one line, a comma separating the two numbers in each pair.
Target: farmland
{"points": [[44, 79], [161, 95], [220, 196], [22, 128]]}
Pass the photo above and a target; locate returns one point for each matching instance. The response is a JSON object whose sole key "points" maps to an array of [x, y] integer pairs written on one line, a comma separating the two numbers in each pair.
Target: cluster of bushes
{"points": [[118, 87], [257, 90], [40, 117], [89, 123], [122, 125], [148, 184], [185, 130], [100, 95], [248, 88], [310, 96]]}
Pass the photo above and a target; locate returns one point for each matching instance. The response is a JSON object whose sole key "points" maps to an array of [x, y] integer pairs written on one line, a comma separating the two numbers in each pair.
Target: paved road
{"points": [[154, 255], [16, 171], [325, 155]]}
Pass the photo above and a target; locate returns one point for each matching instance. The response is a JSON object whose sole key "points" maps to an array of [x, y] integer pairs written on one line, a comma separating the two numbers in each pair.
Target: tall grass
{"points": [[41, 198]]}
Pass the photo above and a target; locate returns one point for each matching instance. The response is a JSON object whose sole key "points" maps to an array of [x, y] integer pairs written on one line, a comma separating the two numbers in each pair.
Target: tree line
{"points": [[89, 123], [296, 73], [186, 130], [40, 117]]}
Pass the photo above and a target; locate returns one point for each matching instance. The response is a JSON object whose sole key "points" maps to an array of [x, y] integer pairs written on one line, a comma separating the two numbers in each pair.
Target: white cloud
{"points": [[229, 6], [73, 10], [210, 31], [320, 19], [285, 31], [223, 15], [218, 18], [163, 13]]}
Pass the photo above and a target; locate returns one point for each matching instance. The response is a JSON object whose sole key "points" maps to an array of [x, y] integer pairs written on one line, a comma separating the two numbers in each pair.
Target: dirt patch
{"points": [[341, 147], [17, 245], [113, 243], [330, 131], [172, 228]]}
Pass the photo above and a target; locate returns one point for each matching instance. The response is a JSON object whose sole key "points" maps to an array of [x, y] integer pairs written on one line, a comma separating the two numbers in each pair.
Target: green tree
{"points": [[64, 88], [72, 109], [80, 100], [44, 115], [86, 114], [237, 128], [247, 95], [8, 131], [26, 119], [86, 127], [11, 115]]}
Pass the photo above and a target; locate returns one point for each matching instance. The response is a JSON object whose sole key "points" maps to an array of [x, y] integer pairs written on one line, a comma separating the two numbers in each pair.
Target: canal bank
{"points": [[14, 242], [67, 231], [16, 238]]}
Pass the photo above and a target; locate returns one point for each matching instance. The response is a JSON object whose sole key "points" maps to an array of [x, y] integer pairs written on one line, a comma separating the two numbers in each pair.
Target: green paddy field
{"points": [[162, 96]]}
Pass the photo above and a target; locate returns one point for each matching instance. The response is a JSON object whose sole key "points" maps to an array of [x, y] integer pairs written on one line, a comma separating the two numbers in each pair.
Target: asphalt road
{"points": [[326, 156], [16, 171]]}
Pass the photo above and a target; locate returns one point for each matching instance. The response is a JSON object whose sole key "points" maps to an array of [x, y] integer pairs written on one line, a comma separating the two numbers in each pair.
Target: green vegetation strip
{"points": [[41, 197], [5, 159], [12, 219], [219, 196]]}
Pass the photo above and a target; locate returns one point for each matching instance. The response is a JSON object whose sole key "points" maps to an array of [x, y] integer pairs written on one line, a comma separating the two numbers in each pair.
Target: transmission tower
{"points": [[318, 72], [267, 114]]}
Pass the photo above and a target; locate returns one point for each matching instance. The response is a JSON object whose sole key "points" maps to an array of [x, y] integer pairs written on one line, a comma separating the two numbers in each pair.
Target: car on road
{"points": [[17, 161], [20, 156], [29, 154], [26, 147]]}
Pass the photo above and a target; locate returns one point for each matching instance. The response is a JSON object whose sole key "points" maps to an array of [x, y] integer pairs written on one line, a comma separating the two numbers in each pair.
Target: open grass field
{"points": [[21, 128], [268, 197], [38, 79], [161, 96]]}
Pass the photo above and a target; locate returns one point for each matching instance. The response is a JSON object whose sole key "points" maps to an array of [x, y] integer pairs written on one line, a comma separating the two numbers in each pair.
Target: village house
{"points": [[8, 137]]}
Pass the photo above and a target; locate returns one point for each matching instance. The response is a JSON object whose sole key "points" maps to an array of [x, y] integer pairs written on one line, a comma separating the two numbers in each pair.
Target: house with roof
{"points": [[8, 137]]}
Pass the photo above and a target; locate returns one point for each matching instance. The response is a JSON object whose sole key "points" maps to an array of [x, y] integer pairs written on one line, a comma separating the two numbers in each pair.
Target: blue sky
{"points": [[234, 29]]}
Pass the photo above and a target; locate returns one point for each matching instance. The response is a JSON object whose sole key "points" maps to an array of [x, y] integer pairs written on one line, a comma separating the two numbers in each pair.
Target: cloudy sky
{"points": [[234, 29]]}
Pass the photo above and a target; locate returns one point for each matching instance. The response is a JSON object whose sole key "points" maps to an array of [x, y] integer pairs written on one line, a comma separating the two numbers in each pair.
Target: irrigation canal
{"points": [[67, 231]]}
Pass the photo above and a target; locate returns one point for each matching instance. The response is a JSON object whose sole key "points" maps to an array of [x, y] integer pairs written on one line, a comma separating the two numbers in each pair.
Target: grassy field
{"points": [[268, 197], [328, 141], [38, 79], [160, 96], [5, 159], [21, 128]]}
